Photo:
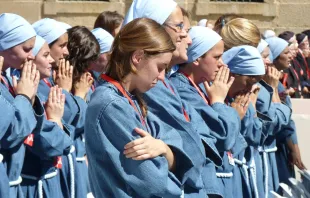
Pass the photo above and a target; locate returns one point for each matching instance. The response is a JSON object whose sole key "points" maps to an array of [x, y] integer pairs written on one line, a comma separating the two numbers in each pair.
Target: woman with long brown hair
{"points": [[117, 115]]}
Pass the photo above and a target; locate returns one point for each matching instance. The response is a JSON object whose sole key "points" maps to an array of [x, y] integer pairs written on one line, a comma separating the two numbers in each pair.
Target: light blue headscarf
{"points": [[158, 10], [276, 45], [64, 25], [262, 45], [244, 60], [14, 30], [104, 38], [38, 45], [203, 40], [49, 29]]}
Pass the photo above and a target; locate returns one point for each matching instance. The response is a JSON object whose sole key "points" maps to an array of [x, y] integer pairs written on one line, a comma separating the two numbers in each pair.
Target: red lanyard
{"points": [[196, 87], [301, 70], [47, 83], [122, 90], [10, 88], [184, 112]]}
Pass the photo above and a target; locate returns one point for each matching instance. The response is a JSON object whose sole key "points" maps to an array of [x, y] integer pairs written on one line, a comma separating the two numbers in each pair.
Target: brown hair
{"points": [[240, 31], [185, 13], [140, 34], [83, 48], [222, 20], [109, 21]]}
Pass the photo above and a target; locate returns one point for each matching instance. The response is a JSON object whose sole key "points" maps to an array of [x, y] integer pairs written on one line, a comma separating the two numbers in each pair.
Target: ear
{"points": [[196, 62], [137, 56]]}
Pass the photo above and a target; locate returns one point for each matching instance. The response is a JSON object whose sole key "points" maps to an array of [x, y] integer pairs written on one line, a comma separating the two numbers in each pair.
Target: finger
{"points": [[58, 95], [1, 62], [54, 95], [141, 132], [230, 82], [62, 99], [27, 70], [33, 71], [63, 68], [54, 75], [71, 71], [206, 85], [227, 72], [134, 148], [50, 94], [14, 80], [247, 103], [222, 76], [218, 75], [136, 153], [134, 143], [67, 68], [142, 157]]}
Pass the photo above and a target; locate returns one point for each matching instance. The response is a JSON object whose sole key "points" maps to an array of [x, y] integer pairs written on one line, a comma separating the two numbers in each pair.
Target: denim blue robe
{"points": [[164, 101], [216, 116], [288, 133], [50, 142], [109, 126], [12, 143], [5, 119], [280, 115], [74, 115]]}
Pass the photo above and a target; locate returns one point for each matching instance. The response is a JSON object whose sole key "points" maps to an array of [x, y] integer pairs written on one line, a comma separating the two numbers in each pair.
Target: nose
{"points": [[189, 40], [161, 75], [221, 63], [50, 59], [30, 56], [65, 51]]}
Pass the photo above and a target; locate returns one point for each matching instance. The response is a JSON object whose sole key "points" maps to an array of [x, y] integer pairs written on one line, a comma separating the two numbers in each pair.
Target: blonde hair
{"points": [[140, 34], [240, 31]]}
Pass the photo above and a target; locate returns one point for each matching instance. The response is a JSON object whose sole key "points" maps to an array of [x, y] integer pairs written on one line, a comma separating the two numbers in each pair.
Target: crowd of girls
{"points": [[148, 105]]}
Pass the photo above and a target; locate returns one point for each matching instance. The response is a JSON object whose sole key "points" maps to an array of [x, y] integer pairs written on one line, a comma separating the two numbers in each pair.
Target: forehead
{"points": [[29, 43], [176, 16]]}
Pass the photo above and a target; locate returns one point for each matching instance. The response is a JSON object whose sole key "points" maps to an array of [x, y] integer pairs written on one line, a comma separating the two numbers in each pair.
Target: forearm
{"points": [[170, 157]]}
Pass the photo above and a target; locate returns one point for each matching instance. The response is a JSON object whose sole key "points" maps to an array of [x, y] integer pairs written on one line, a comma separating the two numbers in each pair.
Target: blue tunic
{"points": [[74, 115], [280, 116], [287, 134], [12, 146], [5, 120], [50, 141], [110, 124], [164, 101], [216, 116]]}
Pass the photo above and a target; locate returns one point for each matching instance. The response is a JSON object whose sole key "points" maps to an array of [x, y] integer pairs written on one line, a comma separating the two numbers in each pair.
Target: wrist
{"points": [[80, 94], [57, 121], [216, 100]]}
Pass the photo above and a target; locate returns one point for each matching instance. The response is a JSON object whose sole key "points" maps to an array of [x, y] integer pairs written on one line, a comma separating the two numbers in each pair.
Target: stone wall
{"points": [[278, 15]]}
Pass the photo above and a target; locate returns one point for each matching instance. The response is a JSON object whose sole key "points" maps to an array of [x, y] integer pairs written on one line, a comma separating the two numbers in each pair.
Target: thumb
{"points": [[230, 82], [206, 85], [141, 132], [14, 80], [54, 75]]}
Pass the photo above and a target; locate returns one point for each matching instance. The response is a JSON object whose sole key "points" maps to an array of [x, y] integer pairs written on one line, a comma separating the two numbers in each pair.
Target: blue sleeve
{"points": [[203, 130], [189, 158], [278, 112], [7, 117], [147, 178], [50, 140], [223, 121], [251, 127], [71, 108], [23, 123], [79, 120]]}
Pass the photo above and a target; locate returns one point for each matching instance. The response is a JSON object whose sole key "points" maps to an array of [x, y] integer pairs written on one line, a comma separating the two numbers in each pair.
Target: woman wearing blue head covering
{"points": [[52, 139], [130, 152], [247, 67], [105, 40], [288, 150], [57, 38], [205, 65], [269, 103], [17, 39], [164, 101]]}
